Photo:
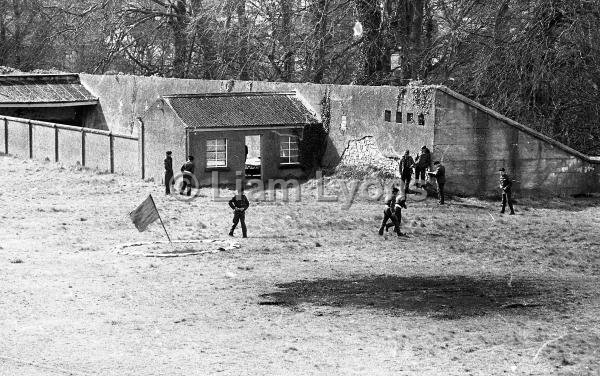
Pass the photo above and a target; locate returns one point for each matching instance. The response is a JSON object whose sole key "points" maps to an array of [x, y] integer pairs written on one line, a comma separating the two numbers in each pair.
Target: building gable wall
{"points": [[163, 131], [474, 144]]}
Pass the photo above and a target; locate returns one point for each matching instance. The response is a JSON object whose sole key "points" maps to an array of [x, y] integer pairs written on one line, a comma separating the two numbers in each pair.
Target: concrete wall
{"points": [[97, 151], [162, 132], [18, 138], [69, 147], [69, 143], [43, 143], [124, 98], [126, 157], [3, 140], [474, 143]]}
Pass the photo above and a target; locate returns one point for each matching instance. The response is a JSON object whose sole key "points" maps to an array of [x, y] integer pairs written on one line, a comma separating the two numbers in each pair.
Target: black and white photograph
{"points": [[299, 187]]}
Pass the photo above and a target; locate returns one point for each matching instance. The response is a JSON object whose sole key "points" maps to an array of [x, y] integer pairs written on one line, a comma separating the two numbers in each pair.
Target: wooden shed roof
{"points": [[43, 90]]}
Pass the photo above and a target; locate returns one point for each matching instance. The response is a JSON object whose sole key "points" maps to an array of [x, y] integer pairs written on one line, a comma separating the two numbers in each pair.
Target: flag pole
{"points": [[161, 221]]}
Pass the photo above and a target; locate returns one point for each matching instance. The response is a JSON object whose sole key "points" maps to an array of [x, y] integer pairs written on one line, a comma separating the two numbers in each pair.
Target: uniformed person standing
{"points": [[168, 173], [422, 163], [439, 173], [188, 171], [506, 186], [393, 212], [239, 203], [406, 165]]}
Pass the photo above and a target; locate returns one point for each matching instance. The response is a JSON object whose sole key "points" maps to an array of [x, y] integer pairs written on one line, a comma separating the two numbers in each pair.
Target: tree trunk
{"points": [[319, 15], [286, 41], [2, 35], [243, 40], [17, 36], [368, 61], [178, 23]]}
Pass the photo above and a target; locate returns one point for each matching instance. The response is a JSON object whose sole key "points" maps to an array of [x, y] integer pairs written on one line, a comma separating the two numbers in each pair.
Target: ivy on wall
{"points": [[416, 97], [315, 138], [326, 110]]}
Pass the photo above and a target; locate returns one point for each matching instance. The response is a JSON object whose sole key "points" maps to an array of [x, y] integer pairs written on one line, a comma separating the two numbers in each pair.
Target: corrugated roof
{"points": [[240, 110], [43, 89]]}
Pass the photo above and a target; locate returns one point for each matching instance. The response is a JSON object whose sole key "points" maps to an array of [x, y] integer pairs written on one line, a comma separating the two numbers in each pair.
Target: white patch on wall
{"points": [[343, 124], [364, 153], [395, 61]]}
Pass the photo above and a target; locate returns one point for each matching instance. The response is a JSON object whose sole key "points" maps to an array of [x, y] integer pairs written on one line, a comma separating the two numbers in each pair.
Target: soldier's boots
{"points": [[244, 235]]}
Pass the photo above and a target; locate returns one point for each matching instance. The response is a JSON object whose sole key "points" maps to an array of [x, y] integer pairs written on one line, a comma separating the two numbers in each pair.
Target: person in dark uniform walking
{"points": [[188, 171], [506, 186], [406, 165], [168, 173], [439, 173], [422, 163], [239, 203], [393, 212]]}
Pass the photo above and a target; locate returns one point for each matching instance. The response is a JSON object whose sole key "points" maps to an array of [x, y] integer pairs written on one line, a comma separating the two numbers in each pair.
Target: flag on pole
{"points": [[144, 214]]}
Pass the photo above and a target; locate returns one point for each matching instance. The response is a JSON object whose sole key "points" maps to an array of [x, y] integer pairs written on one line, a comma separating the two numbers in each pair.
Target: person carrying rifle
{"points": [[506, 186]]}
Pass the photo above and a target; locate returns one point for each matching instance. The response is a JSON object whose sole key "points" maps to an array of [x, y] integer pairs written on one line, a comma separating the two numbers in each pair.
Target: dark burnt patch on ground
{"points": [[443, 297]]}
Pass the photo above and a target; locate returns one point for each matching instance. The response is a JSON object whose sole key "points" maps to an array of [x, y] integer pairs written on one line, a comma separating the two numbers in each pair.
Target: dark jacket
{"points": [[188, 167], [395, 199], [505, 182], [406, 165], [239, 203], [169, 164], [424, 159], [439, 174]]}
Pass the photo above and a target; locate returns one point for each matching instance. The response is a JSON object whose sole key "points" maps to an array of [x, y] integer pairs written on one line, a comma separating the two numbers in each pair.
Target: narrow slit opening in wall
{"points": [[410, 117], [421, 120], [398, 116], [387, 115]]}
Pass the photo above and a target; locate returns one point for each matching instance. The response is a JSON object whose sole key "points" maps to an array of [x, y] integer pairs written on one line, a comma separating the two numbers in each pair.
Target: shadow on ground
{"points": [[443, 297]]}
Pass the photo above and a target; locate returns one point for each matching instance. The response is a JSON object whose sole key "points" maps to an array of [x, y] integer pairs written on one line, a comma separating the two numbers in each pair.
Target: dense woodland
{"points": [[537, 61]]}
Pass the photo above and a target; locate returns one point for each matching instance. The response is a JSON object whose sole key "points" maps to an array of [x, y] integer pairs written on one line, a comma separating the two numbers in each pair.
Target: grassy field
{"points": [[314, 290]]}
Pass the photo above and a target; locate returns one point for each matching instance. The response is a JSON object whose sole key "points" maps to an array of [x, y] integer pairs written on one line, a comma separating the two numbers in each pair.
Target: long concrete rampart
{"points": [[393, 118], [474, 142]]}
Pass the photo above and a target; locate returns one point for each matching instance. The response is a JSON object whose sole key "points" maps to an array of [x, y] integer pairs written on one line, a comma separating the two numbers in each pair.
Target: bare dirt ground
{"points": [[313, 291]]}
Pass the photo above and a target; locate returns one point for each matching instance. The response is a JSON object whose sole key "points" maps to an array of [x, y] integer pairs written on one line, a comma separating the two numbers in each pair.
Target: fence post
{"points": [[111, 145], [30, 139], [55, 143], [142, 147], [5, 136], [82, 147]]}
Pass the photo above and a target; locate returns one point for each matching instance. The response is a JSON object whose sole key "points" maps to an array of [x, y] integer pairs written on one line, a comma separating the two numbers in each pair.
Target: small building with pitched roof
{"points": [[227, 133], [55, 98]]}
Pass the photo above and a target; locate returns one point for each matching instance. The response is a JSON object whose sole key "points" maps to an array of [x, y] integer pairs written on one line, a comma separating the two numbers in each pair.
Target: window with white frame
{"points": [[216, 152], [289, 150]]}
